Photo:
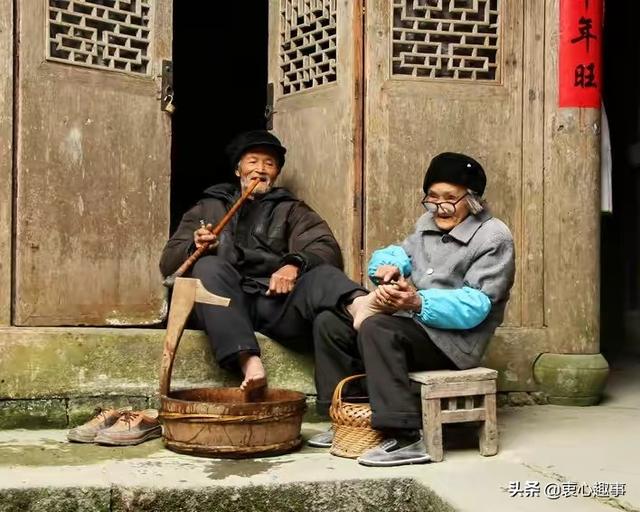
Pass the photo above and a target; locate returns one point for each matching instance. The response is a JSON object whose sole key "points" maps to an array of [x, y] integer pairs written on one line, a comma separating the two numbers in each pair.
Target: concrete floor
{"points": [[546, 444]]}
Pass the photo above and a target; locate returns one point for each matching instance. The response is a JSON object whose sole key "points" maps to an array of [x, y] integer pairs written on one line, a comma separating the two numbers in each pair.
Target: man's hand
{"points": [[202, 235], [387, 273], [401, 296], [283, 280]]}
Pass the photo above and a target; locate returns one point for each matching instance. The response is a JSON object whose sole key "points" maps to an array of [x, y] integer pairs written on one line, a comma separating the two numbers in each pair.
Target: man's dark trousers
{"points": [[386, 348], [286, 318]]}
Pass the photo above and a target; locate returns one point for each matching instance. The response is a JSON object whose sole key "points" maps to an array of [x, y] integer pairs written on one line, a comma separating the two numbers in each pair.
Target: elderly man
{"points": [[448, 284], [277, 261]]}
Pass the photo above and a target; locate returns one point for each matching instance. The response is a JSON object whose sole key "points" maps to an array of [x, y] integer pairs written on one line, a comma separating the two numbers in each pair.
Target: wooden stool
{"points": [[458, 396]]}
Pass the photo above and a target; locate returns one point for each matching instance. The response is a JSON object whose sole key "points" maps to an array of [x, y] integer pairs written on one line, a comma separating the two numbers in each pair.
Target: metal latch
{"points": [[166, 100]]}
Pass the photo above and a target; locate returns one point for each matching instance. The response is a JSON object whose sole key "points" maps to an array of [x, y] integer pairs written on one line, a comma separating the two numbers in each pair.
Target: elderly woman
{"points": [[447, 285]]}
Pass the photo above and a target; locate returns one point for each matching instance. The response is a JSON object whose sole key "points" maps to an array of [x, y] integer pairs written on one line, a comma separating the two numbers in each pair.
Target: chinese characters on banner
{"points": [[580, 53]]}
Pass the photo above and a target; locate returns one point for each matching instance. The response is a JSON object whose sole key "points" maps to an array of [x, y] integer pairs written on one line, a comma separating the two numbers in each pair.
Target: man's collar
{"points": [[463, 232]]}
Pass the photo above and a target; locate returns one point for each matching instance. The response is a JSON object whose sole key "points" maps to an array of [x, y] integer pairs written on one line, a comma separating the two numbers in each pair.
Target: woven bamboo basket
{"points": [[353, 434]]}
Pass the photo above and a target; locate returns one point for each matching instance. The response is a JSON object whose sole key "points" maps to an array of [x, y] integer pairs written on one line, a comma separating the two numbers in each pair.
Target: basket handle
{"points": [[186, 292], [337, 393]]}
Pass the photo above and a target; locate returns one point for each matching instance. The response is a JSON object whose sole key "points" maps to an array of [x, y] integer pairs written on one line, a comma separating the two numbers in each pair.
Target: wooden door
{"points": [[93, 161], [457, 75], [315, 62]]}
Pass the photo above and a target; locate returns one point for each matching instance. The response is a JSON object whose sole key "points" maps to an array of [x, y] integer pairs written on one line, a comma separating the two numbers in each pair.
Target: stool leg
{"points": [[489, 428], [432, 428]]}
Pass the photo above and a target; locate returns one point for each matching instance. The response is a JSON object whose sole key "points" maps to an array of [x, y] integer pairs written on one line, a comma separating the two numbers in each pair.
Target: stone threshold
{"points": [[55, 363], [55, 377]]}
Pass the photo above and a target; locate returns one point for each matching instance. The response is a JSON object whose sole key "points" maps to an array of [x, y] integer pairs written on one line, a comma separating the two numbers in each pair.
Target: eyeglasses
{"points": [[447, 207]]}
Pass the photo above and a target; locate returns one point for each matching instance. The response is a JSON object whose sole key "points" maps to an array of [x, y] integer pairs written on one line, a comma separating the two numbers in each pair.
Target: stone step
{"points": [[41, 472], [55, 377]]}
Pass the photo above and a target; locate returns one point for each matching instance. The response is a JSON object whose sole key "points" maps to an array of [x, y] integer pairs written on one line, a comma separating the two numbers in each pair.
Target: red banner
{"points": [[580, 53]]}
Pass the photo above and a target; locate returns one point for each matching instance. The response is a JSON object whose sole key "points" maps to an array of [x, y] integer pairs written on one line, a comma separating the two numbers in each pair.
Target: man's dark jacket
{"points": [[267, 233]]}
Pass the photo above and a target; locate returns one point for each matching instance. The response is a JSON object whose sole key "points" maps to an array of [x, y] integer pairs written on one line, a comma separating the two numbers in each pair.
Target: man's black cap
{"points": [[455, 168], [247, 140]]}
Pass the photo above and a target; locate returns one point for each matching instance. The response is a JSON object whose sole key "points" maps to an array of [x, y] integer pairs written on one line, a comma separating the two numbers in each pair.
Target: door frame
{"points": [[6, 158]]}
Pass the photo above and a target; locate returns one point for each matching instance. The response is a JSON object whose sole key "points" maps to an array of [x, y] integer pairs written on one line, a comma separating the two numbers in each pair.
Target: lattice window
{"points": [[104, 34], [307, 44], [453, 39]]}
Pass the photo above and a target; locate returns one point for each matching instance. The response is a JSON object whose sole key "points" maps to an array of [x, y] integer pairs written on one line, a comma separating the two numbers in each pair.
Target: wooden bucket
{"points": [[215, 422], [220, 422]]}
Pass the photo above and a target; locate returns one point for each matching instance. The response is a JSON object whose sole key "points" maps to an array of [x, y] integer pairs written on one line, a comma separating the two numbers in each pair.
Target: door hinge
{"points": [[268, 109]]}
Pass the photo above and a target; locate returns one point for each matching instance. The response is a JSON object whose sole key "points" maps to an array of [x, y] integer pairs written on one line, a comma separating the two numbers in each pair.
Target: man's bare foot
{"points": [[365, 306], [255, 375]]}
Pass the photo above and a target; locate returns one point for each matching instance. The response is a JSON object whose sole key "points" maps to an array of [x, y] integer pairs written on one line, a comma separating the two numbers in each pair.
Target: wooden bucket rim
{"points": [[299, 397]]}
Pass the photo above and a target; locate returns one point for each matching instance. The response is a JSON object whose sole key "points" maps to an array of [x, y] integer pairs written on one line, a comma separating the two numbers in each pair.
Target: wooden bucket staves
{"points": [[219, 422]]}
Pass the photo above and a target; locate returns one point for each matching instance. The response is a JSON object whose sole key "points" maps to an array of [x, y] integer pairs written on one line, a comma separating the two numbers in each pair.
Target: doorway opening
{"points": [[620, 233], [220, 80]]}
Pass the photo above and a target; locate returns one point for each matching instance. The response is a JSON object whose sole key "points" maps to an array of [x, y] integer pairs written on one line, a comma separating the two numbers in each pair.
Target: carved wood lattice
{"points": [[452, 39], [307, 44], [103, 34]]}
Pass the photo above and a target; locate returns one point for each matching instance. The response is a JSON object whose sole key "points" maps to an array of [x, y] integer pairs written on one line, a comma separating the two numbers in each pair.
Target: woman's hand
{"points": [[400, 295], [387, 273]]}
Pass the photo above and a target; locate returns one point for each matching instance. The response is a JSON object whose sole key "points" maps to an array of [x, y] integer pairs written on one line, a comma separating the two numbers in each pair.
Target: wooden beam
{"points": [[530, 253], [453, 389], [463, 415], [571, 220]]}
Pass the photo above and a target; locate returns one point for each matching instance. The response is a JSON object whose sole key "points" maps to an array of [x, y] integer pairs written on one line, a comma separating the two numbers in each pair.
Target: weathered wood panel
{"points": [[411, 119], [571, 212], [6, 156], [322, 128], [93, 173], [531, 276]]}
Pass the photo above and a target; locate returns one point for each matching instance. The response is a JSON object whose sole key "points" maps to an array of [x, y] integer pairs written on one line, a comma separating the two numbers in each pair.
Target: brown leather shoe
{"points": [[103, 418], [132, 427]]}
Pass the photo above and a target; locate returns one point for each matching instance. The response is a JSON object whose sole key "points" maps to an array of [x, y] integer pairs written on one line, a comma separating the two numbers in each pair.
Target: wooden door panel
{"points": [[448, 76], [314, 65], [93, 162]]}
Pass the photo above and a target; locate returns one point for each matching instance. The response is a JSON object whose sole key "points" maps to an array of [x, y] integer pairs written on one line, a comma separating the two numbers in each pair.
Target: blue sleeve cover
{"points": [[391, 255], [462, 308]]}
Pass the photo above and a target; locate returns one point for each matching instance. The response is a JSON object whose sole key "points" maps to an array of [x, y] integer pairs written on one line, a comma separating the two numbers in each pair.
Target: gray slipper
{"points": [[390, 453], [322, 440]]}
